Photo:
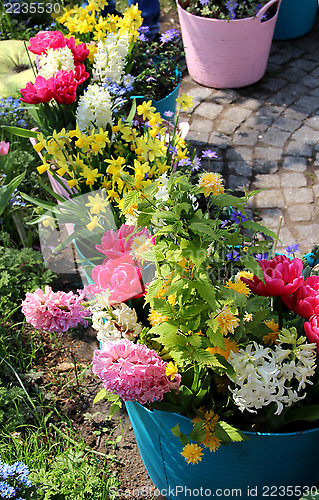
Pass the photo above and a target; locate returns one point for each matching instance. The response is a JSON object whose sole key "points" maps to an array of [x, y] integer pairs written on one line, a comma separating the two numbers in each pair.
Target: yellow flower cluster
{"points": [[82, 20], [98, 159], [193, 452]]}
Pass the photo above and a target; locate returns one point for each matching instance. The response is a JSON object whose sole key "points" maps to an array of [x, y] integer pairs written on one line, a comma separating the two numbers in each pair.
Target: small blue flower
{"points": [[196, 164], [169, 35], [237, 216], [208, 153], [233, 255], [184, 162], [291, 249], [168, 114], [261, 256]]}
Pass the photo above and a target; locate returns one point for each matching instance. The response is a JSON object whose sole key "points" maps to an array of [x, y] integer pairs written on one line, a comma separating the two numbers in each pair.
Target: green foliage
{"points": [[73, 476], [21, 271], [13, 410]]}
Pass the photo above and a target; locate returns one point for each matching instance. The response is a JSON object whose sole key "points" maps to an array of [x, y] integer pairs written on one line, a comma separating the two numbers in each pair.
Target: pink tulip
{"points": [[4, 147], [305, 300], [120, 277], [39, 91], [312, 330], [282, 277]]}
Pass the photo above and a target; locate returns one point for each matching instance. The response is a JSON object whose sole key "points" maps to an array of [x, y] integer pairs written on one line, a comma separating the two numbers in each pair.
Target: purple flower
{"points": [[208, 153], [291, 249], [231, 6], [196, 164], [184, 162], [168, 114], [172, 149], [233, 255], [223, 223], [204, 2], [237, 216], [169, 35], [261, 256]]}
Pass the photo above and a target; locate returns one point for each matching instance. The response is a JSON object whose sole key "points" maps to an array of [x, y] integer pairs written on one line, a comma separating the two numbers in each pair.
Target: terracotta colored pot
{"points": [[227, 54]]}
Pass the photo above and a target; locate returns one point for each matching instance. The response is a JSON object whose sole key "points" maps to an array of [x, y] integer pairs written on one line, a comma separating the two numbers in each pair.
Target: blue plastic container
{"points": [[263, 466], [295, 18]]}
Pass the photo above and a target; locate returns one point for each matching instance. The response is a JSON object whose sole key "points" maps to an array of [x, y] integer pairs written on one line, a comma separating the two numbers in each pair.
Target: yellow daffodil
{"points": [[185, 102]]}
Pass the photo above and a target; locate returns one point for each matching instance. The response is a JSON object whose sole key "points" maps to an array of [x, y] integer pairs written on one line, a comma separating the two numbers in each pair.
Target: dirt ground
{"points": [[64, 370]]}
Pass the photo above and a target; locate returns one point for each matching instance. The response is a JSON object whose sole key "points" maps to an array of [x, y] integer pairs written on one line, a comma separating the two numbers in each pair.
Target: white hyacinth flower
{"points": [[265, 375], [121, 322], [94, 108], [54, 60], [110, 58]]}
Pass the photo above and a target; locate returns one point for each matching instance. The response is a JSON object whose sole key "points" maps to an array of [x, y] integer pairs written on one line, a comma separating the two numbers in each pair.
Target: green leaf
{"points": [[201, 227], [215, 335], [207, 292], [226, 200], [100, 395], [205, 358], [308, 413], [228, 433], [7, 190], [249, 224], [20, 132], [198, 432], [130, 198]]}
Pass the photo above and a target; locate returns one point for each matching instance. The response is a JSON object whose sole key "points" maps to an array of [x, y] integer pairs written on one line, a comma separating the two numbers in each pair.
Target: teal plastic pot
{"points": [[168, 103], [265, 466], [295, 18]]}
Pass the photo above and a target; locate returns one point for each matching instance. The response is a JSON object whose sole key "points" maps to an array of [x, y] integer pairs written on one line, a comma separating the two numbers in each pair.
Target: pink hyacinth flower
{"points": [[4, 147], [282, 277], [312, 330], [120, 277], [305, 300], [54, 311], [133, 371]]}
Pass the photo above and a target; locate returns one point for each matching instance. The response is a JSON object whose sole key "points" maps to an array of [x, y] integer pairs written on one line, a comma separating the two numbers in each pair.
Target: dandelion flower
{"points": [[227, 320], [192, 453]]}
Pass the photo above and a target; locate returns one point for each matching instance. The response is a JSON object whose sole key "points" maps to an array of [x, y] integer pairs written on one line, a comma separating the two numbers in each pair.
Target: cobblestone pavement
{"points": [[266, 137]]}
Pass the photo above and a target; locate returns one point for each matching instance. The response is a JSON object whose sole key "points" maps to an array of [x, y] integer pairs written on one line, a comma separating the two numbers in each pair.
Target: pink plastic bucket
{"points": [[227, 54]]}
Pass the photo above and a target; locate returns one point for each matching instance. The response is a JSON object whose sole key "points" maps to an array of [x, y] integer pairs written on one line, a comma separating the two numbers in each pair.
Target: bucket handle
{"points": [[264, 9]]}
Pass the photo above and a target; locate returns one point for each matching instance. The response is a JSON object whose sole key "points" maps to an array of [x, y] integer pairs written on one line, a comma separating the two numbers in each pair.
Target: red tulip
{"points": [[305, 300], [312, 330], [282, 277], [45, 40], [39, 91], [64, 87]]}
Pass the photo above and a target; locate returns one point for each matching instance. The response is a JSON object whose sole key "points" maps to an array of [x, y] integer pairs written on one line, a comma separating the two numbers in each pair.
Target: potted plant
{"points": [[210, 340], [295, 18], [227, 43]]}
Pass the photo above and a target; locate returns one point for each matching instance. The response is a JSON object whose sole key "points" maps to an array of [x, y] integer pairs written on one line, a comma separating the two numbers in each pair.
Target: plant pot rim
{"points": [[251, 18], [248, 433]]}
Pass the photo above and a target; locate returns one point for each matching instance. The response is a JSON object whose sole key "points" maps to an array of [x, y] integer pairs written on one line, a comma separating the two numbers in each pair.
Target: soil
{"points": [[64, 370]]}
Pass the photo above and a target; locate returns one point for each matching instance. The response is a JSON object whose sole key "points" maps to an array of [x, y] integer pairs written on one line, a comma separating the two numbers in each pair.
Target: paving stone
{"points": [[300, 213], [236, 182], [219, 139], [240, 168], [198, 137], [209, 110], [275, 137], [270, 198], [239, 153], [271, 216], [258, 123], [201, 125], [227, 127], [298, 195], [295, 163], [308, 235], [200, 93], [309, 103], [236, 114], [287, 124], [293, 179], [316, 190], [285, 237], [296, 148], [268, 153], [306, 135], [250, 103], [266, 181], [265, 167], [313, 122], [245, 137]]}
